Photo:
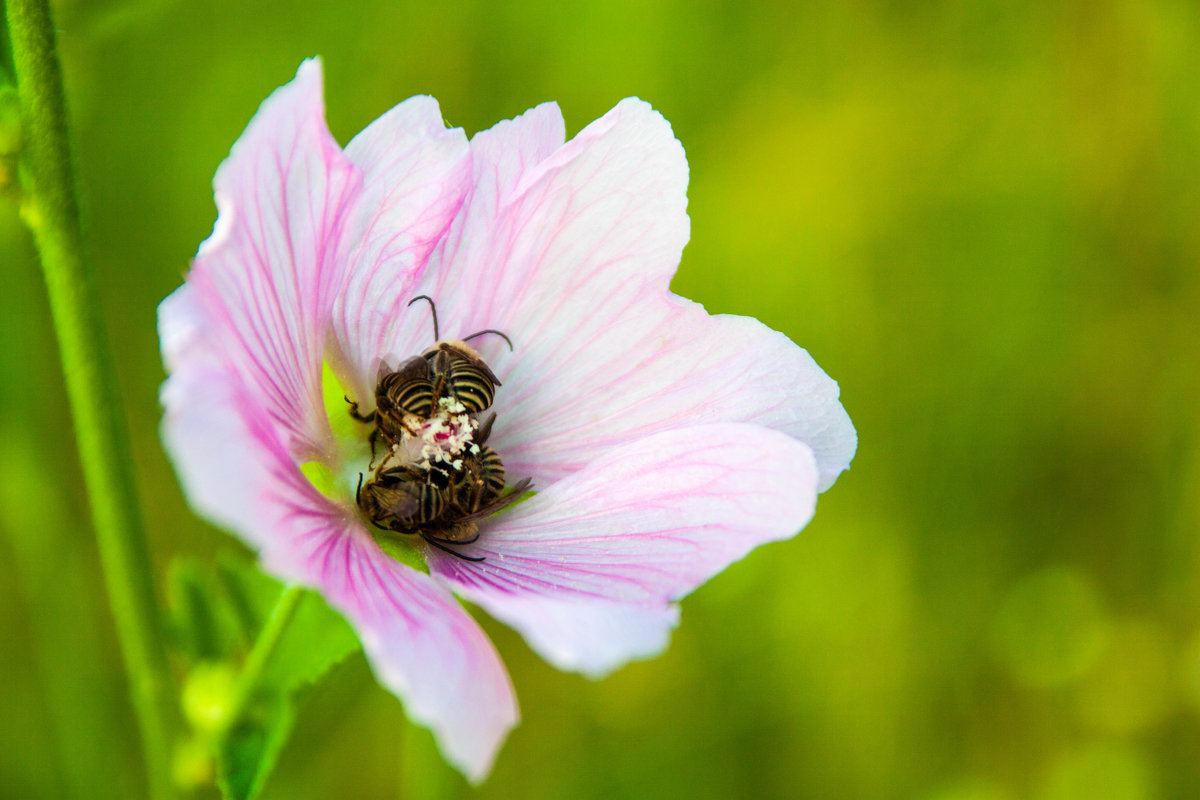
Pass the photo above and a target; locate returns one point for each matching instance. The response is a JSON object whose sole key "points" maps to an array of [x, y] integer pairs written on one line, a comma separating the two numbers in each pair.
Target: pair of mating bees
{"points": [[438, 477]]}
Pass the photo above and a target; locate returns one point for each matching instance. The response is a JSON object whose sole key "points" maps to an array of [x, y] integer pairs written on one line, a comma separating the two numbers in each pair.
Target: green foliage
{"points": [[249, 752], [217, 617], [199, 615], [980, 218]]}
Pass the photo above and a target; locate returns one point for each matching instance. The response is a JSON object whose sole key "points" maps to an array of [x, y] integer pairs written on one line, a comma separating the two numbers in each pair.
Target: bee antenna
{"points": [[445, 549], [436, 336], [489, 330]]}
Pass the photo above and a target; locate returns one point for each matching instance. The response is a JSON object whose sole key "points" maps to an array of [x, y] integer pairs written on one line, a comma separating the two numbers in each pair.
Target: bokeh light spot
{"points": [[1100, 770], [1050, 628], [1127, 691], [972, 789], [1189, 672]]}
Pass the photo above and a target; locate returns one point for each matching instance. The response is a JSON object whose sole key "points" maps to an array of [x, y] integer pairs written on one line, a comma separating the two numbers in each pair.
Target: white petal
{"points": [[266, 275], [587, 569], [501, 158], [236, 471], [572, 257], [419, 641], [659, 366], [416, 175]]}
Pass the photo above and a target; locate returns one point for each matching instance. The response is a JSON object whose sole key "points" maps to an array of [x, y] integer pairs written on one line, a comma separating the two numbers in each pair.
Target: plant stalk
{"points": [[50, 208]]}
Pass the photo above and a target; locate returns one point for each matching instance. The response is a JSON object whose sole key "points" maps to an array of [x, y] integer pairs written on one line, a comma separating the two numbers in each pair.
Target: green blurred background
{"points": [[980, 218]]}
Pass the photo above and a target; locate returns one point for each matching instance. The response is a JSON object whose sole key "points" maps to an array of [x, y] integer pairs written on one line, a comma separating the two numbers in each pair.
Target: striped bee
{"points": [[438, 478], [448, 370], [443, 507]]}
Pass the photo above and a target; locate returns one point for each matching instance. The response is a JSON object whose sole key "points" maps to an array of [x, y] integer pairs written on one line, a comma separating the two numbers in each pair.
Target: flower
{"points": [[663, 443]]}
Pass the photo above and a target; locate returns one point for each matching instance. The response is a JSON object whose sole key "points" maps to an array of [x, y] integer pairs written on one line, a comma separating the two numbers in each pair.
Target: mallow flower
{"points": [[662, 443]]}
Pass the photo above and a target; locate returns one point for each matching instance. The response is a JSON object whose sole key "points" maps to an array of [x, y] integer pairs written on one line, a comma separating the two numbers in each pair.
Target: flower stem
{"points": [[50, 208], [256, 661]]}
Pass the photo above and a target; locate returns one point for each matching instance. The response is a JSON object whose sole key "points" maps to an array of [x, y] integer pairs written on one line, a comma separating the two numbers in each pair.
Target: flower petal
{"points": [[416, 175], [588, 568], [215, 449], [572, 255], [419, 641], [501, 158], [658, 367], [267, 272], [236, 471]]}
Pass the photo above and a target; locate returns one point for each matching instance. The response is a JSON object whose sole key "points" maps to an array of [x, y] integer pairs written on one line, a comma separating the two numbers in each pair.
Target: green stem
{"points": [[51, 210], [260, 654]]}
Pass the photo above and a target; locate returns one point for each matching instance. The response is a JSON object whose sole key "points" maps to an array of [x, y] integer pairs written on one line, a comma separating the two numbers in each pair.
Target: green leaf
{"points": [[249, 593], [247, 754], [200, 622], [316, 639], [220, 615]]}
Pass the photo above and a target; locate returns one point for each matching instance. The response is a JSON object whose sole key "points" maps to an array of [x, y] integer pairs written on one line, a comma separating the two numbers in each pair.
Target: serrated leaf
{"points": [[313, 641], [247, 755], [316, 639]]}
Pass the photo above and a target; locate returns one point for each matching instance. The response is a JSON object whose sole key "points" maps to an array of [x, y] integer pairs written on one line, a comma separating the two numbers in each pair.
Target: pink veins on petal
{"points": [[664, 443]]}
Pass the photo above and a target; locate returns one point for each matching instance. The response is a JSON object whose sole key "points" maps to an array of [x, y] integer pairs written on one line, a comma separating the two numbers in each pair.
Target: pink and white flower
{"points": [[664, 443]]}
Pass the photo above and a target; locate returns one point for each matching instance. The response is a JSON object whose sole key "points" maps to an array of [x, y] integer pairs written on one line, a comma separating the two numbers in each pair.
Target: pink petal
{"points": [[587, 569], [236, 471], [420, 642], [267, 272], [217, 452], [501, 158], [416, 175], [570, 251], [663, 365]]}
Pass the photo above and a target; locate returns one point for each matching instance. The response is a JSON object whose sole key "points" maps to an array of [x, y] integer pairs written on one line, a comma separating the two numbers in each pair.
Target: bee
{"points": [[449, 370], [438, 478], [441, 506]]}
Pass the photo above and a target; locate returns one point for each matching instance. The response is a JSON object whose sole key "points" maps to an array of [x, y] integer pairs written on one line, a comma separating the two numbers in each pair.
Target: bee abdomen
{"points": [[400, 500], [471, 387], [408, 389], [415, 398], [493, 471], [431, 503]]}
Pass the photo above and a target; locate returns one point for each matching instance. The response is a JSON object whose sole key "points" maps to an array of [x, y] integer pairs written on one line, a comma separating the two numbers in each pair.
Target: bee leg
{"points": [[358, 490], [438, 544], [374, 437], [354, 411]]}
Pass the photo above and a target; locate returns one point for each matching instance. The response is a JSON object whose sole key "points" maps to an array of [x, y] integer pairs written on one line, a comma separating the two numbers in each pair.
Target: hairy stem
{"points": [[51, 210]]}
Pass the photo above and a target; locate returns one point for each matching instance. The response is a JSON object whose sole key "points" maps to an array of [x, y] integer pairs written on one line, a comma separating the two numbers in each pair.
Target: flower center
{"points": [[443, 439]]}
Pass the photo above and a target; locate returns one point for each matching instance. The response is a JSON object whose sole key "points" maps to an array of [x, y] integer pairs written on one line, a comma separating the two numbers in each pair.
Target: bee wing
{"points": [[381, 370], [400, 499], [498, 503], [485, 429], [410, 369]]}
